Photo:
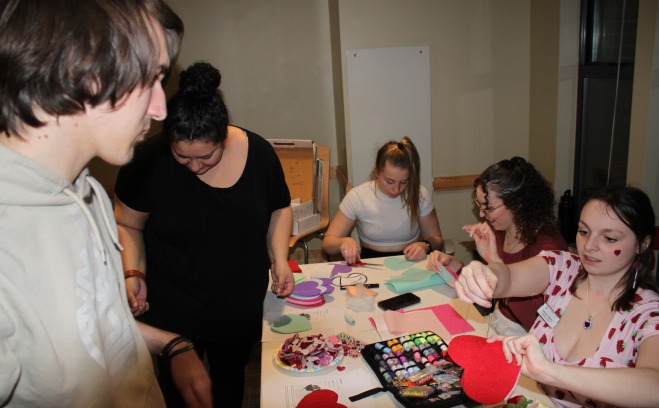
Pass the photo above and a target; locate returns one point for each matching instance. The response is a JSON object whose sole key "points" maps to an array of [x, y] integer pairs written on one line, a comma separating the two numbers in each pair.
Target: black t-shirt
{"points": [[206, 248]]}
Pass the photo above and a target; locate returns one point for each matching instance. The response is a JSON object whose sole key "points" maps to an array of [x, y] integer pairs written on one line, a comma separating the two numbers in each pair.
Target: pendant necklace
{"points": [[511, 246], [587, 323]]}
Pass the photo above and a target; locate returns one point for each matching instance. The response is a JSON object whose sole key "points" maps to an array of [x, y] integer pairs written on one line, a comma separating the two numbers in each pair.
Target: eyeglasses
{"points": [[485, 209]]}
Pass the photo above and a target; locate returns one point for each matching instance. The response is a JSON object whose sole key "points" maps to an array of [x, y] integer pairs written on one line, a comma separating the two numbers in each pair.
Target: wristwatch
{"points": [[428, 246]]}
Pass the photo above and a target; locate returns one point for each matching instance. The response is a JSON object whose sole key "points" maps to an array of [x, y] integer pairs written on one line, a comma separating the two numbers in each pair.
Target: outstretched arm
{"points": [[479, 283]]}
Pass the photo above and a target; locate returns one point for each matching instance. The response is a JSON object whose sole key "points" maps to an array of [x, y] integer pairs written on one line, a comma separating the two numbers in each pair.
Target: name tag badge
{"points": [[548, 315]]}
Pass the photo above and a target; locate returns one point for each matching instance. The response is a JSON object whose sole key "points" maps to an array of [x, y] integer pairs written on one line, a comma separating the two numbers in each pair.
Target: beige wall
{"points": [[566, 109], [502, 83], [545, 40], [643, 163], [275, 61], [479, 75]]}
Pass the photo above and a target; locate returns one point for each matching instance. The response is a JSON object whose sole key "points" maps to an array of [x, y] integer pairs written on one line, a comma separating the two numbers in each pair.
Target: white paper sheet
{"points": [[288, 393]]}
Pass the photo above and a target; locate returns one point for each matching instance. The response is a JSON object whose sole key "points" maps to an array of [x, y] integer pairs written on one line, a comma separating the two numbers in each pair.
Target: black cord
{"points": [[351, 279]]}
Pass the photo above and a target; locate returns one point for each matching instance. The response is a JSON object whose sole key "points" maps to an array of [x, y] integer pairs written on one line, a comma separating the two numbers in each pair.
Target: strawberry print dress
{"points": [[620, 345]]}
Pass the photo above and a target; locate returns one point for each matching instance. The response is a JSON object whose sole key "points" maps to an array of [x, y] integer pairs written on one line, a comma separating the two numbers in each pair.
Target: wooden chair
{"points": [[323, 154], [300, 180]]}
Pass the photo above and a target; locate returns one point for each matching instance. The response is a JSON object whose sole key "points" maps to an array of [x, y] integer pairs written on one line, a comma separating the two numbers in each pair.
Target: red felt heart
{"points": [[487, 377], [320, 399]]}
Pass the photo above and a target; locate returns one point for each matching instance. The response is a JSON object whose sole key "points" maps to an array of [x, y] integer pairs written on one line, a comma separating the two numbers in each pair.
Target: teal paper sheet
{"points": [[414, 279]]}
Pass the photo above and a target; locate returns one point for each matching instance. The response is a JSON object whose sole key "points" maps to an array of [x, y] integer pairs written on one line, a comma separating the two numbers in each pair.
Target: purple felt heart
{"points": [[327, 283], [313, 287], [340, 268], [309, 288]]}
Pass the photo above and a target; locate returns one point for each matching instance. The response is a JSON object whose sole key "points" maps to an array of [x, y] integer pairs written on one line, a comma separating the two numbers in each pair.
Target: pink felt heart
{"points": [[320, 399], [487, 377], [308, 302]]}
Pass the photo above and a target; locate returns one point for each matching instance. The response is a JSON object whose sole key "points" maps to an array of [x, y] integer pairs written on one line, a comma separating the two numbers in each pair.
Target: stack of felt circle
{"points": [[310, 293]]}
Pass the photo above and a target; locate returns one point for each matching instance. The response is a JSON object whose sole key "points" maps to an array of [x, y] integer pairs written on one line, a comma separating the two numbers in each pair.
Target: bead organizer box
{"points": [[417, 370]]}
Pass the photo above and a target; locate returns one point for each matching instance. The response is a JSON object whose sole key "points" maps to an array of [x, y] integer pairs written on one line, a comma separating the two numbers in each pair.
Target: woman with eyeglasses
{"points": [[517, 205], [393, 212]]}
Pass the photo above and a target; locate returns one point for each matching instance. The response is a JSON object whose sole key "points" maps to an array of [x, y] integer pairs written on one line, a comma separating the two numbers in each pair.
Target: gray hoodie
{"points": [[67, 337]]}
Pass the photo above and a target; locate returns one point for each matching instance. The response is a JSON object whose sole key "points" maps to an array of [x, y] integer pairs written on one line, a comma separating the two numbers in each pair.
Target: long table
{"points": [[282, 388]]}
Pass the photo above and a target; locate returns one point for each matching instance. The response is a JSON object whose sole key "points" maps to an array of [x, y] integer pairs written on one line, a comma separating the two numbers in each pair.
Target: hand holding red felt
{"points": [[487, 377], [320, 399], [527, 351]]}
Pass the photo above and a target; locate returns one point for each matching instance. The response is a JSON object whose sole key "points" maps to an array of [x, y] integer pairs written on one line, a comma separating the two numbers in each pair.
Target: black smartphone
{"points": [[399, 302]]}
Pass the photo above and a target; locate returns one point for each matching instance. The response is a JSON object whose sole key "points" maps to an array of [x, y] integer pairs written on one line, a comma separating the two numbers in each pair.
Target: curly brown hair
{"points": [[525, 193]]}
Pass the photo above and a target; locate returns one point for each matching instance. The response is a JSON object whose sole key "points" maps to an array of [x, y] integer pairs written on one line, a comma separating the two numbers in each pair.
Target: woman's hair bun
{"points": [[200, 77]]}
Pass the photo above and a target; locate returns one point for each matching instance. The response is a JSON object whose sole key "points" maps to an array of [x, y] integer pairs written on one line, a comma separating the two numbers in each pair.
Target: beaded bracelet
{"points": [[134, 272]]}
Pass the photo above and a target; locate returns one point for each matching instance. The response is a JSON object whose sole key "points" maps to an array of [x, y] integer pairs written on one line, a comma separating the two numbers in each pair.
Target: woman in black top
{"points": [[204, 212]]}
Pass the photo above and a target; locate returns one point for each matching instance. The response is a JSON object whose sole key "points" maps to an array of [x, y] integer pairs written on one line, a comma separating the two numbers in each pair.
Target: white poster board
{"points": [[388, 98]]}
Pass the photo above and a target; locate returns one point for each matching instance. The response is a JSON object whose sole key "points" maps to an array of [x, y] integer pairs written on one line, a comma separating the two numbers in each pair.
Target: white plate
{"points": [[280, 363]]}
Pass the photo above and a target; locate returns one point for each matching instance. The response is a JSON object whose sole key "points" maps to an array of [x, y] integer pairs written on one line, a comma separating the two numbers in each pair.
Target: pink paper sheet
{"points": [[415, 322], [451, 320]]}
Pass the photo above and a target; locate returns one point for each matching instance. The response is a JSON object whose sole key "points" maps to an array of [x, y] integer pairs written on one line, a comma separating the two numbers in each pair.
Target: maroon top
{"points": [[523, 310]]}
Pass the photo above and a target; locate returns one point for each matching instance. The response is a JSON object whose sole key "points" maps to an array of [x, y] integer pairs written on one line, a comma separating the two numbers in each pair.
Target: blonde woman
{"points": [[393, 212]]}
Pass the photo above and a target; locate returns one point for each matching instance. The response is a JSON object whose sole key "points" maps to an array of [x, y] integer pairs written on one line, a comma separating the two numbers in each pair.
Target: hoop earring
{"points": [[635, 275]]}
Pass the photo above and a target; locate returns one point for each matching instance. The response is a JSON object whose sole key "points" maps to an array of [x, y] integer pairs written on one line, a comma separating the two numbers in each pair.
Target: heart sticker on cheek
{"points": [[487, 377], [617, 252]]}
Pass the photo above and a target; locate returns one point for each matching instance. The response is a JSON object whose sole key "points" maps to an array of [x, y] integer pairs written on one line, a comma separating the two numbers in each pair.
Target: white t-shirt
{"points": [[381, 220]]}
